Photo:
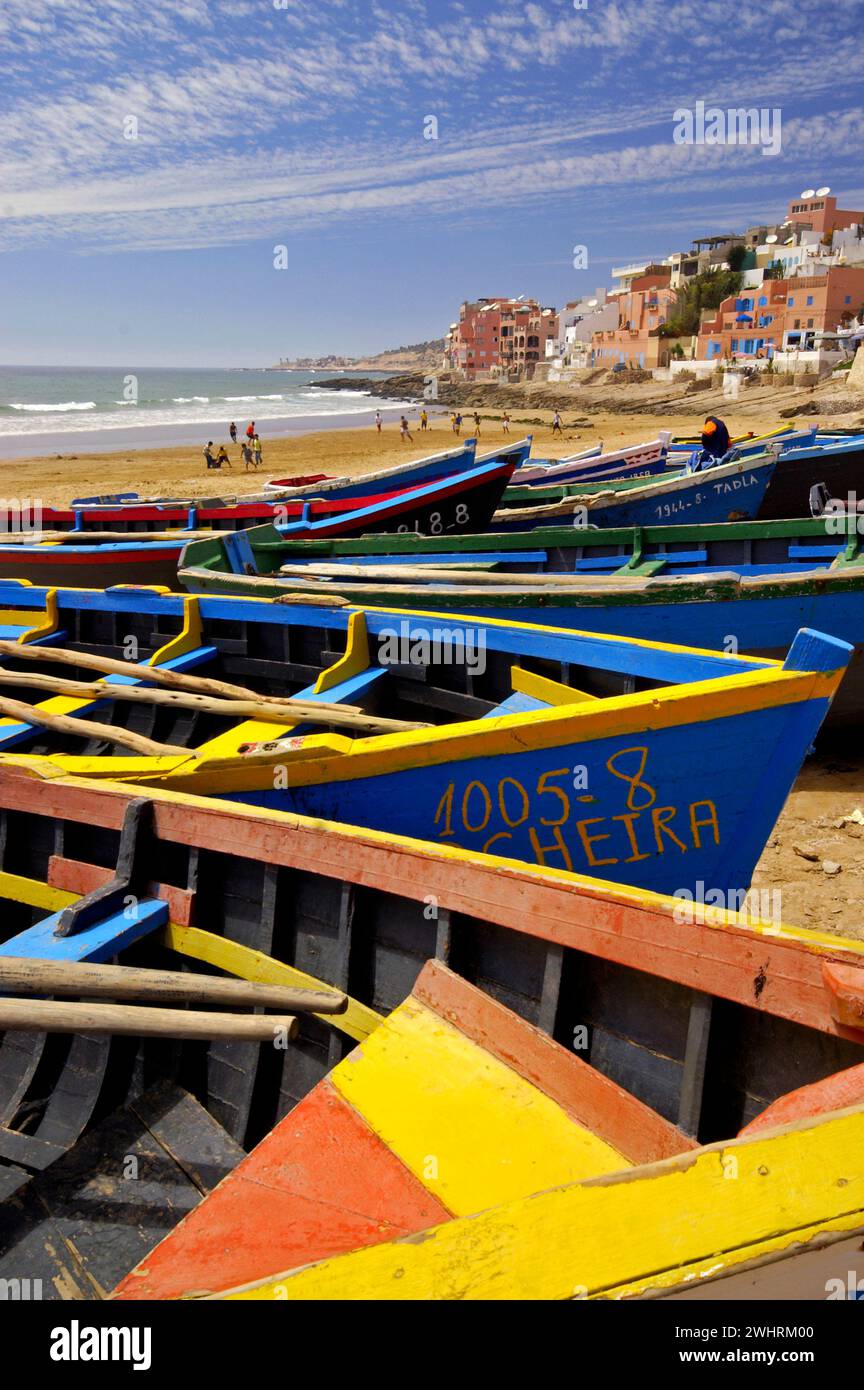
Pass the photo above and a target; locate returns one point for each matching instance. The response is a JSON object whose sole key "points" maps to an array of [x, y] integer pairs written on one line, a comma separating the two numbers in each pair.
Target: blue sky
{"points": [[260, 125]]}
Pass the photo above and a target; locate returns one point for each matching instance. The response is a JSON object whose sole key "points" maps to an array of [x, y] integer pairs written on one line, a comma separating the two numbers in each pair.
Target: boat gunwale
{"points": [[770, 968]]}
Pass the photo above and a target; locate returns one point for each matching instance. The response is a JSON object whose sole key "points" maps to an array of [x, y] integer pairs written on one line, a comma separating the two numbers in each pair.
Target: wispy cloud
{"points": [[255, 121]]}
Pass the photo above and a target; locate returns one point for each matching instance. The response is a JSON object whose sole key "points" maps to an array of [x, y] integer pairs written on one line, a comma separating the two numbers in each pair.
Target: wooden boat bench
{"points": [[185, 652], [531, 691]]}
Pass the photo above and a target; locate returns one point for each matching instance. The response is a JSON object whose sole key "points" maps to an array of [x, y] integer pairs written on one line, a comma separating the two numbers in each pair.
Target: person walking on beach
{"points": [[424, 420], [232, 430], [208, 457], [453, 421], [378, 421], [477, 423], [505, 423], [556, 423], [457, 422], [404, 431], [256, 450], [250, 430], [246, 454]]}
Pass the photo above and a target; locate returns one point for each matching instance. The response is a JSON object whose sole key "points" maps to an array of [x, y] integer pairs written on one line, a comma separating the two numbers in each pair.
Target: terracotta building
{"points": [[642, 309], [781, 314], [498, 336], [821, 214]]}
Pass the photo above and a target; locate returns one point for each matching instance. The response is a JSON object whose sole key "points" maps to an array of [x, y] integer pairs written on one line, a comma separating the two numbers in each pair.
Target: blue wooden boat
{"points": [[634, 461], [836, 462], [401, 476], [460, 502], [730, 491], [658, 766], [681, 450], [130, 513]]}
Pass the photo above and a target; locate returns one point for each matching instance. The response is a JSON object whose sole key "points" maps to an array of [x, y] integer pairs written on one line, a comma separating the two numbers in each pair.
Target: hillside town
{"points": [[786, 297]]}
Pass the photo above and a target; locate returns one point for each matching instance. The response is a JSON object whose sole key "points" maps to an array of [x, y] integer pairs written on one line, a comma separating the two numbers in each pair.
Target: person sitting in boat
{"points": [[715, 437]]}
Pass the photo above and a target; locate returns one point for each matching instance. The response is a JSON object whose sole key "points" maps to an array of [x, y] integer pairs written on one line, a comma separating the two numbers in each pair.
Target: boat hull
{"points": [[839, 466], [730, 492], [462, 503], [95, 566], [658, 808]]}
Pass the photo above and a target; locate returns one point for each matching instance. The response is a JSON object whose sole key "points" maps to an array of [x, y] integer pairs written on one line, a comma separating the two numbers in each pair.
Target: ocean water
{"points": [[47, 408]]}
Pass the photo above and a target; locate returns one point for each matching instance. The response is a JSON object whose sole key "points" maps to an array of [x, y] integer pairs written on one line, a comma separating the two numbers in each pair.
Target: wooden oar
{"points": [[282, 711], [21, 975], [98, 537], [429, 573], [23, 713], [48, 1016], [321, 710], [453, 571]]}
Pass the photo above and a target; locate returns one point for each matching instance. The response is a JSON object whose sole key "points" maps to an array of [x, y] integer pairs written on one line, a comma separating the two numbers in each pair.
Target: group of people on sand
{"points": [[457, 420], [404, 427], [250, 449]]}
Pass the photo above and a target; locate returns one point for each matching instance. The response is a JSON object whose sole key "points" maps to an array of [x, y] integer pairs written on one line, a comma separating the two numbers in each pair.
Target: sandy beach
{"points": [[55, 479]]}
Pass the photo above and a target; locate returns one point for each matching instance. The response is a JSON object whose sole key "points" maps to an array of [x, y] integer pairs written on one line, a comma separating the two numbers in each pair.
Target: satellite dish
{"points": [[822, 192], [770, 240], [808, 192]]}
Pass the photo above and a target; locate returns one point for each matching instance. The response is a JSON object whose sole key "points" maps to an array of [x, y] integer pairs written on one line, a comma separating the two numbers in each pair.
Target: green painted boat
{"points": [[742, 586]]}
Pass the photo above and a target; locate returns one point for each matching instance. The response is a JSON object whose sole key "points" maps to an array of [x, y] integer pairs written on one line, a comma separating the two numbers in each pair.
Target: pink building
{"points": [[642, 309], [495, 336]]}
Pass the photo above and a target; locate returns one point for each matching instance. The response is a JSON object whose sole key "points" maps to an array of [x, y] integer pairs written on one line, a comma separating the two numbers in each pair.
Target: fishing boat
{"points": [[654, 765], [635, 461], [94, 559], [687, 1020], [751, 585], [401, 476], [551, 490], [836, 462], [459, 502], [732, 491], [555, 1155], [682, 445], [409, 506]]}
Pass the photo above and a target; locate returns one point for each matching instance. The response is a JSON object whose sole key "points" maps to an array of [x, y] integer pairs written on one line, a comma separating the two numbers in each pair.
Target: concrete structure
{"points": [[813, 261], [706, 253]]}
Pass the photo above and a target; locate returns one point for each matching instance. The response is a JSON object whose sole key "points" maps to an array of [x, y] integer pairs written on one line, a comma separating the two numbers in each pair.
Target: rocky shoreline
{"points": [[601, 391]]}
